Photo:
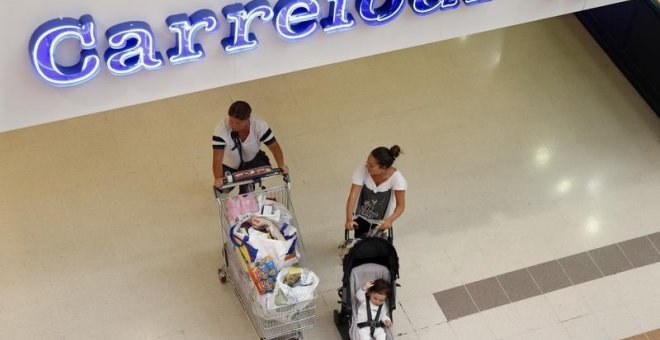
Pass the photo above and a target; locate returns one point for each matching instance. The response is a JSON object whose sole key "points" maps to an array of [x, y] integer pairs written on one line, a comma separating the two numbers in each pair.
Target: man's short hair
{"points": [[240, 110]]}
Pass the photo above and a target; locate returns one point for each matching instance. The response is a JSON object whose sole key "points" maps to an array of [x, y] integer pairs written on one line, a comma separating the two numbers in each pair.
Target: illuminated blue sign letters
{"points": [[423, 7], [240, 18], [474, 2], [132, 45], [132, 48], [381, 15], [339, 19], [296, 19], [186, 29], [47, 37]]}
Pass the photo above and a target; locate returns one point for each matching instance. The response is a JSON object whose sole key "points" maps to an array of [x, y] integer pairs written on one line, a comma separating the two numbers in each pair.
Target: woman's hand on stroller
{"points": [[385, 224], [350, 225]]}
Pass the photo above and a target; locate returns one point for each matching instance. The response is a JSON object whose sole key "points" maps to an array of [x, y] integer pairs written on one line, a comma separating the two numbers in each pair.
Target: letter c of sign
{"points": [[49, 35]]}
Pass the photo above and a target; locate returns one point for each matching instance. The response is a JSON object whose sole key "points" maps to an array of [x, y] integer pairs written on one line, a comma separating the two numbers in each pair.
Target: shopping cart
{"points": [[284, 322]]}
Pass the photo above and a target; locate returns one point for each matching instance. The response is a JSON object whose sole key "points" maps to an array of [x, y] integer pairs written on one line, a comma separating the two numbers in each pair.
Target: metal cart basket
{"points": [[284, 322]]}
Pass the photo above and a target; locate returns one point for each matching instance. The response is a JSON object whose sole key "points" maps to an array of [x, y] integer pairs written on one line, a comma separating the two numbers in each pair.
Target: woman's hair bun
{"points": [[395, 151]]}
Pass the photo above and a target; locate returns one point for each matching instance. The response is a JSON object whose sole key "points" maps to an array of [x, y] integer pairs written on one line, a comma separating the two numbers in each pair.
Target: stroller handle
{"points": [[390, 234]]}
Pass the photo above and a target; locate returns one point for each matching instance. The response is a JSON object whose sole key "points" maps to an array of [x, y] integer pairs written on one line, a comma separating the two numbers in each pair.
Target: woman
{"points": [[378, 193]]}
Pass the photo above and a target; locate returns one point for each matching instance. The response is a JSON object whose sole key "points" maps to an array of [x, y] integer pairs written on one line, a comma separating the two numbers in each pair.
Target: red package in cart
{"points": [[242, 175], [264, 274]]}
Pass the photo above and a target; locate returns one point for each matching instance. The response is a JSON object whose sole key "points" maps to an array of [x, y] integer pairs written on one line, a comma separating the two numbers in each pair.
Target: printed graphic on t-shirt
{"points": [[373, 205]]}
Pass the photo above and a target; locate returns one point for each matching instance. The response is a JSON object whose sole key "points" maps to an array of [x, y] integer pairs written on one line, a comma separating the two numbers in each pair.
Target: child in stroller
{"points": [[371, 259], [373, 314]]}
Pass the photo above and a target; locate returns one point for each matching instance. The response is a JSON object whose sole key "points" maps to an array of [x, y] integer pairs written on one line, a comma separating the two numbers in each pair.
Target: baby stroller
{"points": [[369, 259]]}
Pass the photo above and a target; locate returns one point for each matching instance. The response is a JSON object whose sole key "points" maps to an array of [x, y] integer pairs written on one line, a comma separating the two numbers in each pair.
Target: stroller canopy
{"points": [[371, 250]]}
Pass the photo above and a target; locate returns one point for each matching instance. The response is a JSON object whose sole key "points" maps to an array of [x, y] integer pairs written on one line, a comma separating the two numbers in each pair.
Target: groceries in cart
{"points": [[291, 285], [295, 285], [263, 259], [267, 244], [263, 273], [276, 243], [239, 208]]}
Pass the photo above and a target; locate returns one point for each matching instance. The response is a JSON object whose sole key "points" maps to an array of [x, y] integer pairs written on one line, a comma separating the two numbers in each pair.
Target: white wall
{"points": [[26, 100]]}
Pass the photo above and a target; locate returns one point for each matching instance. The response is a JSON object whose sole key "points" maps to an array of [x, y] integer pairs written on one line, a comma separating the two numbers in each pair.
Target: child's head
{"points": [[379, 292]]}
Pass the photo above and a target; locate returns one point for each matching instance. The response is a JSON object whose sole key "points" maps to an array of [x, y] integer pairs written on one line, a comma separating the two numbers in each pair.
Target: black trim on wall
{"points": [[629, 32]]}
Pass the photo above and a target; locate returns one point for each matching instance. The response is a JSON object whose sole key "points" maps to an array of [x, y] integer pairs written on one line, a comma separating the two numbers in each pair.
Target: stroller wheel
{"points": [[337, 319], [222, 275]]}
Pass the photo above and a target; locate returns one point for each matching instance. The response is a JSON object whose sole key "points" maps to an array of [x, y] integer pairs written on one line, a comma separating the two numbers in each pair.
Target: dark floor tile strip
{"points": [[519, 285], [487, 294], [640, 251], [610, 260], [455, 302], [546, 277], [655, 239], [580, 268], [549, 276]]}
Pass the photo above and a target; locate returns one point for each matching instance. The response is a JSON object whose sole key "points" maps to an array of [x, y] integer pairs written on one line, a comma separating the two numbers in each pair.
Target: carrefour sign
{"points": [[131, 45]]}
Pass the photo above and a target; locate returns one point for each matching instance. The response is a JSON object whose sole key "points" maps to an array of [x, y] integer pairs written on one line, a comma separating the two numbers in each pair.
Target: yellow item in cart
{"points": [[243, 255], [292, 276]]}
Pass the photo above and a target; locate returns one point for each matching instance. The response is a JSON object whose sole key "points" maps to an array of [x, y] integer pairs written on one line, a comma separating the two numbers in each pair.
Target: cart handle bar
{"points": [[257, 179]]}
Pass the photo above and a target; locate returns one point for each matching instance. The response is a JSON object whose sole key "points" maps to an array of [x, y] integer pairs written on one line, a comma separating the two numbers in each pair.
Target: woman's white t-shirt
{"points": [[259, 133], [371, 199]]}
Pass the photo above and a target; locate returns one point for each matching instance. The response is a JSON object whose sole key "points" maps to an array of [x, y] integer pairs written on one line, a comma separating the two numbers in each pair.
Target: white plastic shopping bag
{"points": [[303, 290], [283, 253]]}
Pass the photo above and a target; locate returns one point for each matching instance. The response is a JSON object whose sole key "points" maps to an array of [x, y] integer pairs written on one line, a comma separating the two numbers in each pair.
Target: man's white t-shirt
{"points": [[259, 133], [368, 205]]}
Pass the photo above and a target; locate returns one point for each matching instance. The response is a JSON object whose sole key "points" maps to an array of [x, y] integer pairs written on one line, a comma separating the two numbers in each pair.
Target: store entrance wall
{"points": [[27, 100]]}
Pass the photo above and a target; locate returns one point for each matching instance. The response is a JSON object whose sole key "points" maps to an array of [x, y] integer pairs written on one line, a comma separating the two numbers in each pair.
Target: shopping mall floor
{"points": [[532, 207]]}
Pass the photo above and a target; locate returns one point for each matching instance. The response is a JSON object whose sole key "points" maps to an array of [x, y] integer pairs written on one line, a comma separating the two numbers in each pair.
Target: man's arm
{"points": [[275, 148], [218, 155]]}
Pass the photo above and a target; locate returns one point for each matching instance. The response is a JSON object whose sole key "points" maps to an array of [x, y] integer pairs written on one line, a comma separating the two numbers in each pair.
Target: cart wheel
{"points": [[222, 275], [297, 336]]}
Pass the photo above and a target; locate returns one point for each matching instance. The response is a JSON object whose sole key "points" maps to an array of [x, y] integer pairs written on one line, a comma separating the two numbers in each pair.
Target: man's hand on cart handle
{"points": [[285, 173], [219, 182]]}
